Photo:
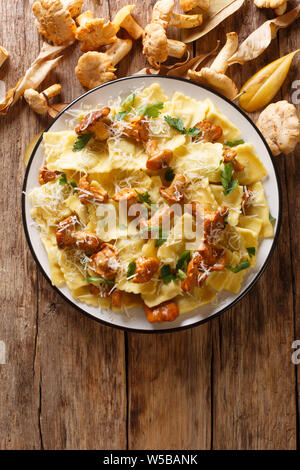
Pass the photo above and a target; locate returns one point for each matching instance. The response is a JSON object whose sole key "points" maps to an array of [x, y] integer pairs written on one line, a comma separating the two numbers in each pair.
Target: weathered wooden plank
{"points": [[253, 401]]}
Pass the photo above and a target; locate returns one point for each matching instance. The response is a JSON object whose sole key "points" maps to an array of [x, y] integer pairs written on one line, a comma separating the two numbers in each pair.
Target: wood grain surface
{"points": [[71, 383]]}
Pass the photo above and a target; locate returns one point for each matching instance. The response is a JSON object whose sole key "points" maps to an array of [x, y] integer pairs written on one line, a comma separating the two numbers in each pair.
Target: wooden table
{"points": [[71, 383]]}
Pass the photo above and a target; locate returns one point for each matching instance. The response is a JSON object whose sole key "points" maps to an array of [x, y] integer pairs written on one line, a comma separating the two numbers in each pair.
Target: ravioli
{"points": [[119, 165]]}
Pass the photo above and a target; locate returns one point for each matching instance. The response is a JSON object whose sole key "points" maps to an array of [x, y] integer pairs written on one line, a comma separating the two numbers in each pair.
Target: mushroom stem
{"points": [[176, 48], [3, 55], [185, 21], [132, 27], [220, 63], [119, 50], [52, 90]]}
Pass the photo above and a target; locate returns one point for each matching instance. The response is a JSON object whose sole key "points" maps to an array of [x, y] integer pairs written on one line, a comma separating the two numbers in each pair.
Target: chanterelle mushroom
{"points": [[123, 19], [39, 101], [95, 68], [215, 76], [188, 5], [279, 6], [3, 55], [54, 22], [67, 235], [156, 46], [280, 125], [94, 32], [94, 123], [73, 6], [174, 192]]}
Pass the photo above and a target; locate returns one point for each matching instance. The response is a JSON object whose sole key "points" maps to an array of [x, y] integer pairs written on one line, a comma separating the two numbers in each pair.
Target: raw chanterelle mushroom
{"points": [[123, 19], [3, 55], [188, 5], [73, 6], [39, 101], [214, 76], [156, 46], [54, 22], [280, 125], [279, 6], [94, 32], [95, 68]]}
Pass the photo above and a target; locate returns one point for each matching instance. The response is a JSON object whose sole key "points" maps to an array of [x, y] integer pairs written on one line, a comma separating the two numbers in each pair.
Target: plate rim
{"points": [[179, 328]]}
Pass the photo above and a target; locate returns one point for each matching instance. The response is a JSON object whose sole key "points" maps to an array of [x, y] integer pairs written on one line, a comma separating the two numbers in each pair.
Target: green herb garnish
{"points": [[178, 125], [162, 237], [99, 279], [214, 169], [183, 260], [228, 183], [181, 274], [152, 110], [239, 267], [252, 251], [166, 274], [81, 142], [63, 179], [144, 197], [234, 143], [131, 269], [271, 218], [73, 184], [169, 174], [122, 114], [129, 101]]}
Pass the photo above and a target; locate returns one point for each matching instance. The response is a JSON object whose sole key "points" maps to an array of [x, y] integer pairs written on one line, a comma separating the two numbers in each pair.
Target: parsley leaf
{"points": [[271, 218], [129, 101], [152, 110], [63, 179], [131, 269], [183, 260], [214, 169], [122, 114], [251, 250], [73, 184], [234, 143], [178, 125], [166, 274], [239, 267], [229, 185], [169, 174], [81, 142], [99, 279], [144, 197]]}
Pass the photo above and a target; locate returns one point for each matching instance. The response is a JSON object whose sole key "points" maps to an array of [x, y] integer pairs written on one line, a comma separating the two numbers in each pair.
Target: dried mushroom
{"points": [[54, 22], [95, 68], [279, 6], [123, 19], [94, 32], [280, 125], [3, 55], [39, 101], [215, 76]]}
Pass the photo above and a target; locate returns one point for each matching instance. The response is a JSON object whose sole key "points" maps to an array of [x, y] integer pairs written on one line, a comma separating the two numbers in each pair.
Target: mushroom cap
{"points": [[269, 3], [162, 11], [188, 5], [54, 22], [3, 55], [73, 6], [155, 44], [121, 15], [94, 33], [216, 81], [94, 68], [280, 125], [36, 101]]}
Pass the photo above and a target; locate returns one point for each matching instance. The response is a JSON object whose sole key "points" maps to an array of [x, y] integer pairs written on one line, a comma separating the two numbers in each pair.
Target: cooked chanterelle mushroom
{"points": [[158, 158], [156, 46], [67, 235], [214, 76], [279, 6], [39, 101], [145, 269], [126, 195], [95, 68], [280, 125], [166, 311], [94, 32], [105, 262], [123, 19], [229, 155], [46, 175], [210, 132], [91, 192], [3, 55], [95, 123], [188, 5], [54, 22], [174, 192]]}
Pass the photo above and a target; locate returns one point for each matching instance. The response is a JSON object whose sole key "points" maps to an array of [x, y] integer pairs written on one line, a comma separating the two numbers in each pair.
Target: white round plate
{"points": [[135, 319]]}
